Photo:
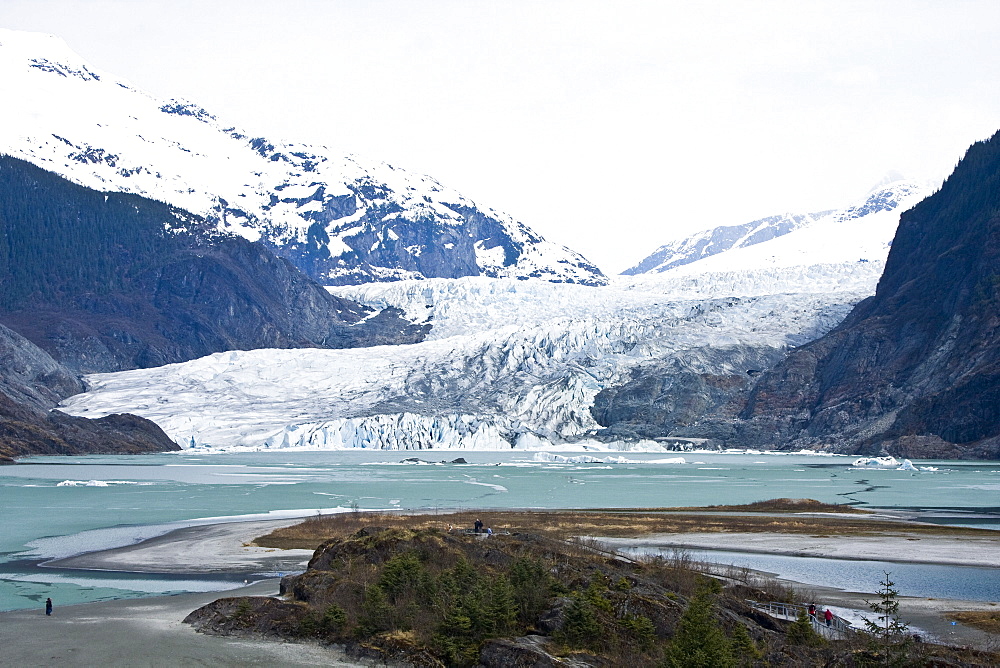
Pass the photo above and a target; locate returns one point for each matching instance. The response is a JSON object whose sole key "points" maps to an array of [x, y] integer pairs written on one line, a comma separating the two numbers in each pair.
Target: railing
{"points": [[837, 629]]}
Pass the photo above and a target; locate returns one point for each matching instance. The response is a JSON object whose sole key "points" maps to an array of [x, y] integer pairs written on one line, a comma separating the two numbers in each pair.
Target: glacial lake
{"points": [[59, 506]]}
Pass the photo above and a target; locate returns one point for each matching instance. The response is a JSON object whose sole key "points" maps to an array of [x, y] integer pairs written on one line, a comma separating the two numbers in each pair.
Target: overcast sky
{"points": [[609, 127]]}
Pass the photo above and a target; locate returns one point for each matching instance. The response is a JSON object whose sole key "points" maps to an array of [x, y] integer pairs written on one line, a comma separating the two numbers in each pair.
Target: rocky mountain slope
{"points": [[31, 382], [916, 368], [108, 281], [335, 217]]}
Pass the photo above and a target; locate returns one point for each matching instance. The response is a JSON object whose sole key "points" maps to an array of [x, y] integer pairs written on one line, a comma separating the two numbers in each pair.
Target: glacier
{"points": [[508, 363]]}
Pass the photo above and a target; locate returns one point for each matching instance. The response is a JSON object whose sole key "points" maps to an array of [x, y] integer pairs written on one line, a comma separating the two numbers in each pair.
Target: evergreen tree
{"points": [[582, 628], [888, 633], [698, 640], [744, 648]]}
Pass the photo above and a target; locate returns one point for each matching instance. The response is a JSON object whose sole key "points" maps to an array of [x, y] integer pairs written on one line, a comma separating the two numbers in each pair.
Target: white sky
{"points": [[610, 127]]}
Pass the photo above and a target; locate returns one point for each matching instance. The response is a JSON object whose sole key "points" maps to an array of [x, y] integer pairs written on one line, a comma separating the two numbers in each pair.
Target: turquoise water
{"points": [[55, 507]]}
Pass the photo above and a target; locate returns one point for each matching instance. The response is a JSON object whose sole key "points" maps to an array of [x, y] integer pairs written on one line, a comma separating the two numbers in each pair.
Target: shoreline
{"points": [[977, 552], [91, 632], [148, 632], [223, 547]]}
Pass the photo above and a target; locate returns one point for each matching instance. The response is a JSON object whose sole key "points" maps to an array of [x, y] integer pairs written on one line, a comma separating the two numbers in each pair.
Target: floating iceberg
{"points": [[590, 459], [94, 483], [876, 463], [884, 463]]}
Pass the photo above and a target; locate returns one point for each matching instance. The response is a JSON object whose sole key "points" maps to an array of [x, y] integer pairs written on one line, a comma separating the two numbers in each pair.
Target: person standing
{"points": [[48, 606], [828, 616]]}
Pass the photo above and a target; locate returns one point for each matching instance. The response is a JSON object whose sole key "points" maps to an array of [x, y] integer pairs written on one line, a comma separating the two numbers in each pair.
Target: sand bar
{"points": [[211, 548]]}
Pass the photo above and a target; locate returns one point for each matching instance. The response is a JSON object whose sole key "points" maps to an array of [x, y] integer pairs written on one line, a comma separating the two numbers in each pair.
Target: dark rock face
{"points": [[25, 430], [680, 397], [270, 617], [29, 375], [524, 652], [914, 370], [31, 382], [108, 282], [390, 243]]}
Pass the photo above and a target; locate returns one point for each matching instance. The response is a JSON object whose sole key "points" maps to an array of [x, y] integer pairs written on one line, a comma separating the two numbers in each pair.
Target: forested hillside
{"points": [[111, 281]]}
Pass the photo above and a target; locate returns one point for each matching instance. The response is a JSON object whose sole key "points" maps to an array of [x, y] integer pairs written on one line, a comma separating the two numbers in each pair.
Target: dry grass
{"points": [[563, 524], [790, 506], [984, 620]]}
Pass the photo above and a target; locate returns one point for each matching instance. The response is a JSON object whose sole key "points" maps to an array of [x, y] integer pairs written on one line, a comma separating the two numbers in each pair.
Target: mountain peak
{"points": [[338, 218], [794, 239], [891, 177]]}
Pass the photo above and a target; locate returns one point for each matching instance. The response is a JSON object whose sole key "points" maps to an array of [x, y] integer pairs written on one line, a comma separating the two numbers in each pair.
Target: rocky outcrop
{"points": [[685, 396], [528, 652], [914, 370], [24, 431], [429, 597], [31, 382], [29, 375], [108, 282]]}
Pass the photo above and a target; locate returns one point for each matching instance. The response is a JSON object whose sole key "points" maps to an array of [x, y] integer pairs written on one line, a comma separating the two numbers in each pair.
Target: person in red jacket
{"points": [[828, 616]]}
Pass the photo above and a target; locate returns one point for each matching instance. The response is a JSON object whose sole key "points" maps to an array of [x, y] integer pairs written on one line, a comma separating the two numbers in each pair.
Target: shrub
{"points": [[801, 632]]}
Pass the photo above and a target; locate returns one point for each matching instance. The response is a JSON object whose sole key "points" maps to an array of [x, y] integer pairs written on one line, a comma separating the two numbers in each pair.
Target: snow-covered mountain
{"points": [[337, 218], [508, 362], [860, 232]]}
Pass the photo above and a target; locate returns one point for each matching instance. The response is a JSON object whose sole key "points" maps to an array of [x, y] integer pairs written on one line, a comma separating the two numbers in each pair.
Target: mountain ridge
{"points": [[112, 281], [744, 245], [336, 219]]}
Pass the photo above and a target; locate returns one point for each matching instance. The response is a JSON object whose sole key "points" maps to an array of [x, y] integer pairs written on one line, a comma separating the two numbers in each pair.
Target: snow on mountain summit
{"points": [[338, 219], [861, 232]]}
